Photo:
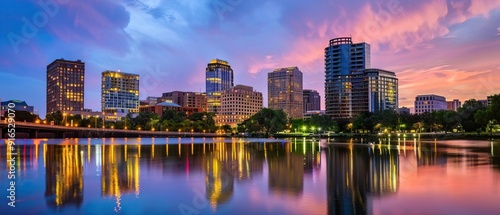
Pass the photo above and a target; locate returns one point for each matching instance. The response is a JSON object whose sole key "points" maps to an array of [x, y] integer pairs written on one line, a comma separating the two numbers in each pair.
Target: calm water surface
{"points": [[251, 176]]}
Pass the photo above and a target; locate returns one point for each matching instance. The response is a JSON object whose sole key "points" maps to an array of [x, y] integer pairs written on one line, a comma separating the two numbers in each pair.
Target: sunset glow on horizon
{"points": [[444, 47]]}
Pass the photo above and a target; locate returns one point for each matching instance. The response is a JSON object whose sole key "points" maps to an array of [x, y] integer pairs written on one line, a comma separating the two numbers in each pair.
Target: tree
{"points": [[364, 122], [446, 119], [23, 116], [226, 128], [386, 118], [467, 114], [56, 117], [266, 121]]}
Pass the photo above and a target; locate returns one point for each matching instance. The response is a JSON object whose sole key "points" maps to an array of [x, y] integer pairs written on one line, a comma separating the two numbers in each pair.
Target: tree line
{"points": [[473, 116]]}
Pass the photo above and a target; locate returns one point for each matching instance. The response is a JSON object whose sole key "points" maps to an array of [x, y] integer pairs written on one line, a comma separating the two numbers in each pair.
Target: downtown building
{"points": [[65, 86], [312, 100], [191, 102], [238, 104], [219, 77], [119, 94], [351, 86], [373, 90], [453, 105], [285, 91], [429, 103]]}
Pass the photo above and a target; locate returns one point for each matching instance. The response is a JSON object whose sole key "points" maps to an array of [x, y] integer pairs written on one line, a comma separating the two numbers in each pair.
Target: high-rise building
{"points": [[373, 90], [65, 85], [284, 87], [219, 77], [453, 105], [120, 93], [312, 100], [186, 99], [342, 57], [429, 103], [238, 104]]}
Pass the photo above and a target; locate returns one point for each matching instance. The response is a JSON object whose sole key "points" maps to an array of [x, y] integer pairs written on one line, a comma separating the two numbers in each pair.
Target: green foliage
{"points": [[320, 123], [23, 116], [266, 121], [56, 117], [446, 119], [467, 115]]}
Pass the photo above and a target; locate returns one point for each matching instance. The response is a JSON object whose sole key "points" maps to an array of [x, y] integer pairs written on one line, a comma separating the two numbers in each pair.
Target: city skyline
{"points": [[451, 43]]}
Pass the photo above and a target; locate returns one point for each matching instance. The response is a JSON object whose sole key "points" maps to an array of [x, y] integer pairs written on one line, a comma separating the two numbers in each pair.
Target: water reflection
{"points": [[63, 175], [120, 172], [280, 177], [354, 172]]}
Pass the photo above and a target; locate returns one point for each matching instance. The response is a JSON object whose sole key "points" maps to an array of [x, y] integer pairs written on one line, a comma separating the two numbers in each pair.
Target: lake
{"points": [[250, 176]]}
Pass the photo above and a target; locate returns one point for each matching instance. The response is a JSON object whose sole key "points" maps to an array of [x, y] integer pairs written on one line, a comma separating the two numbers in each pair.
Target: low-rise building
{"points": [[429, 103]]}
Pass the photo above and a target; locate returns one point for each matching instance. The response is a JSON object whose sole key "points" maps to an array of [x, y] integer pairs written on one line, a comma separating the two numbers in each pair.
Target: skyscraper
{"points": [[373, 90], [120, 93], [284, 86], [65, 85], [219, 77], [341, 58], [312, 100], [238, 104]]}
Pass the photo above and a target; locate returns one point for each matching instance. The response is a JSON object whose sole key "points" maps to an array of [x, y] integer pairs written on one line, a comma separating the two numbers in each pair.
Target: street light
{"points": [[64, 117], [304, 129]]}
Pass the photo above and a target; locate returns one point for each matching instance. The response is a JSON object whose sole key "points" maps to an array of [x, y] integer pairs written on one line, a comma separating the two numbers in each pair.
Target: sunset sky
{"points": [[445, 47]]}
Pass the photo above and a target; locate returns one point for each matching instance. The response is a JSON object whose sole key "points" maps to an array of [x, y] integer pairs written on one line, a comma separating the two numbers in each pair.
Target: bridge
{"points": [[36, 130]]}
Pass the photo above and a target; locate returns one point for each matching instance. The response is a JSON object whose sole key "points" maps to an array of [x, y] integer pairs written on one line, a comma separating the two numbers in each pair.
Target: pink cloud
{"points": [[449, 82]]}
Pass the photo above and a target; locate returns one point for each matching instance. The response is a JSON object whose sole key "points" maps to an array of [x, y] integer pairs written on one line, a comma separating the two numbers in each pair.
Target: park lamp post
{"points": [[64, 118], [304, 129]]}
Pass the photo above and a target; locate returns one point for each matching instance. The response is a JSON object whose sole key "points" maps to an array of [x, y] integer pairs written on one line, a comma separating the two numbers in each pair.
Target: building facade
{"points": [[342, 57], [65, 85], [453, 105], [484, 102], [404, 110], [119, 93], [18, 105], [219, 77], [490, 100], [373, 90], [312, 100], [186, 99], [429, 103], [238, 104], [285, 91]]}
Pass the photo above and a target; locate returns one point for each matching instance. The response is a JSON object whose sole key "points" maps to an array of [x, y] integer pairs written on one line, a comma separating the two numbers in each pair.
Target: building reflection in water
{"points": [[63, 175], [219, 178], [495, 154], [287, 163], [119, 171], [354, 172]]}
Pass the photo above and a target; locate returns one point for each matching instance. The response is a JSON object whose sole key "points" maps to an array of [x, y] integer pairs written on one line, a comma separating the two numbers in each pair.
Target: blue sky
{"points": [[447, 47]]}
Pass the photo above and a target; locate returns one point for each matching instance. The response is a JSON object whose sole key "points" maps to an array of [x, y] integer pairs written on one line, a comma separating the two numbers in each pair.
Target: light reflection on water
{"points": [[253, 176]]}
